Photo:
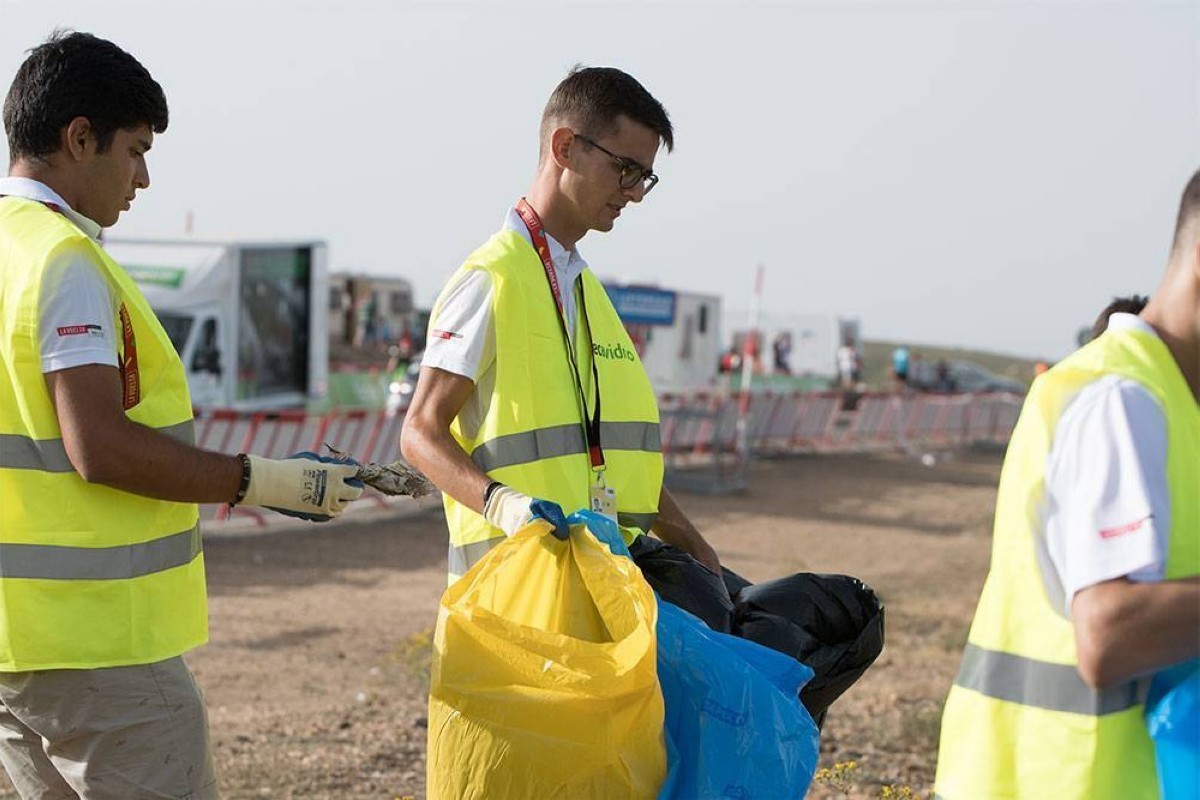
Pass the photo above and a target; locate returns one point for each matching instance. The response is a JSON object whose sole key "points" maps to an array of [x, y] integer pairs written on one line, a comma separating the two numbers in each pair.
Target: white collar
{"points": [[568, 262], [30, 189], [1122, 321]]}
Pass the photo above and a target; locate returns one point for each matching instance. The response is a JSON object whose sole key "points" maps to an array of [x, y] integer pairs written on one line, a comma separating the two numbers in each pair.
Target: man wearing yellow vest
{"points": [[101, 569], [532, 399], [1093, 584]]}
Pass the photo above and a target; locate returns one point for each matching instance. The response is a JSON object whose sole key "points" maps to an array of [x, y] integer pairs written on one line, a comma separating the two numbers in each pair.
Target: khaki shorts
{"points": [[123, 733]]}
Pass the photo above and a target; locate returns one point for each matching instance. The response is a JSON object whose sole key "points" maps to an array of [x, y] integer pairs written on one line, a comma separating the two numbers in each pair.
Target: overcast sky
{"points": [[984, 174]]}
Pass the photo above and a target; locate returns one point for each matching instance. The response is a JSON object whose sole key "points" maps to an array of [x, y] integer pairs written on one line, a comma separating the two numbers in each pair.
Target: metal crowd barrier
{"points": [[700, 436], [700, 439]]}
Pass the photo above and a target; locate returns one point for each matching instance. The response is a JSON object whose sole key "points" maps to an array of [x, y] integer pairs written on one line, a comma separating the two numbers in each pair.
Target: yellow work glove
{"points": [[303, 485]]}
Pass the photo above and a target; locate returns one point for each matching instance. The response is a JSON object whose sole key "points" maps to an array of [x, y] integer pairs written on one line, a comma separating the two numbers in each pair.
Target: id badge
{"points": [[604, 501]]}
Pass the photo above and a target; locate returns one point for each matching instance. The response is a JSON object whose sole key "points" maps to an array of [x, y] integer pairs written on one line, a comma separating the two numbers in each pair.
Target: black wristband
{"points": [[245, 484], [489, 491]]}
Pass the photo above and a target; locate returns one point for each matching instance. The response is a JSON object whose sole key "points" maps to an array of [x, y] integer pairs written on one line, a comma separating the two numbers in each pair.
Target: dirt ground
{"points": [[316, 673]]}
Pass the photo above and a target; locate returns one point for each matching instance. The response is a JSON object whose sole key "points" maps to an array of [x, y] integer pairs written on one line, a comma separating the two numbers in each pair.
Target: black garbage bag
{"points": [[733, 582], [683, 581], [832, 623]]}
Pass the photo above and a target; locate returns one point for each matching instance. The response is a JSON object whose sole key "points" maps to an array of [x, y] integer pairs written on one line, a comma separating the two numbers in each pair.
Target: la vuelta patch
{"points": [[130, 380]]}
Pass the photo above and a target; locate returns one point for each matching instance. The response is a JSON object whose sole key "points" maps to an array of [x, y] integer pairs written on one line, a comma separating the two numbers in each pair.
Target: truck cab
{"points": [[247, 319]]}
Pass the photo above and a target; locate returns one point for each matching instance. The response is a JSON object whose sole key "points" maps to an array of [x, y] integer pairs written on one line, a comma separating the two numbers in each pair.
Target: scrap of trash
{"points": [[392, 479]]}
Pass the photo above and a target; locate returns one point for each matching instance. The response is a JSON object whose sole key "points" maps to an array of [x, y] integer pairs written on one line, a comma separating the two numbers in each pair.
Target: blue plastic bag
{"points": [[734, 727], [1173, 719]]}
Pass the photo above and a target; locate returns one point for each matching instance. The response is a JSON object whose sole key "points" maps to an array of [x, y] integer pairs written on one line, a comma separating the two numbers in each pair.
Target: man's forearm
{"points": [[106, 447], [437, 455], [147, 462], [673, 527], [1125, 629]]}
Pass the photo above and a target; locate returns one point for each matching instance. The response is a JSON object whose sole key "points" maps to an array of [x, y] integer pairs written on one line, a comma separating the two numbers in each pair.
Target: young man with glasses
{"points": [[531, 399]]}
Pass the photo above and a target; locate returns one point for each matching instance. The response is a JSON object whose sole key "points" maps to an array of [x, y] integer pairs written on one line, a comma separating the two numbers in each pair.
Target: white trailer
{"points": [[815, 339], [677, 334], [249, 319]]}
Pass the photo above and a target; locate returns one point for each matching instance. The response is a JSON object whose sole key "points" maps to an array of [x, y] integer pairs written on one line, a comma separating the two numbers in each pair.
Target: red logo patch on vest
{"points": [[1121, 530], [130, 379], [80, 330]]}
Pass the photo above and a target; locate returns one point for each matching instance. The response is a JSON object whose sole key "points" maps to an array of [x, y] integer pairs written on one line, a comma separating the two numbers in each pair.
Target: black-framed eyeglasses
{"points": [[632, 173]]}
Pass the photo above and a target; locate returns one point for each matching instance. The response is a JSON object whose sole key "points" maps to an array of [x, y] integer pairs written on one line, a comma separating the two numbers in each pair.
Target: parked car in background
{"points": [[959, 376]]}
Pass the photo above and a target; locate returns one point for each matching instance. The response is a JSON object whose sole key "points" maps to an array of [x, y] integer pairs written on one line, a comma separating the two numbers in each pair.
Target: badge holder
{"points": [[603, 498]]}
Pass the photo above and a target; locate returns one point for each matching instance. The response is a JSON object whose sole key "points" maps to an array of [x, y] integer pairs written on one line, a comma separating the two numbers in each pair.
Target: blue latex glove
{"points": [[603, 529], [551, 512], [311, 456]]}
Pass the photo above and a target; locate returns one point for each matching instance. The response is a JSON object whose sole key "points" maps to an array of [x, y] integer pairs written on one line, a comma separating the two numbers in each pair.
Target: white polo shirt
{"points": [[462, 337], [1108, 511], [76, 308]]}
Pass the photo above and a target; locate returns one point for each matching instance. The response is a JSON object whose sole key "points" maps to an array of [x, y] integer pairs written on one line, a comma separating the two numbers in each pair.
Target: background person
{"points": [[900, 366], [101, 565], [847, 363], [781, 349], [1133, 304], [1093, 584], [530, 388]]}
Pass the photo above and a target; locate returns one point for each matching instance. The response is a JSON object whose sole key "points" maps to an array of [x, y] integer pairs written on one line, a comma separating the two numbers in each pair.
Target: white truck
{"points": [[249, 319], [676, 333]]}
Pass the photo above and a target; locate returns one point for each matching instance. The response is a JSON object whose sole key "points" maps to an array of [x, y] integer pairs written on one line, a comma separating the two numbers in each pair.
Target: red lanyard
{"points": [[538, 234], [591, 427], [130, 376]]}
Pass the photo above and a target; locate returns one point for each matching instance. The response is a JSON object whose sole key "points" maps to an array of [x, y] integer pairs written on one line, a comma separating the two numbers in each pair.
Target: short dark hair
{"points": [[78, 75], [1120, 305], [590, 99], [1189, 211]]}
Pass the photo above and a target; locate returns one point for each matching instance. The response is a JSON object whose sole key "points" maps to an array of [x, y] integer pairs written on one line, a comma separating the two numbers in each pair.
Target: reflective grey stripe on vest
{"points": [[1056, 687], [463, 557], [51, 562], [642, 436], [50, 455], [643, 522], [563, 440]]}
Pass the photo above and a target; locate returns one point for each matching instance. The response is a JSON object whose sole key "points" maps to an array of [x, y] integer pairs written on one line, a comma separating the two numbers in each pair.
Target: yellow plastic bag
{"points": [[544, 683]]}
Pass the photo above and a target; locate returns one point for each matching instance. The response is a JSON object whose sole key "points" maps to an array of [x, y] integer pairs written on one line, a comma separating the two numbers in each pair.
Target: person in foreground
{"points": [[1093, 584], [531, 399], [101, 566]]}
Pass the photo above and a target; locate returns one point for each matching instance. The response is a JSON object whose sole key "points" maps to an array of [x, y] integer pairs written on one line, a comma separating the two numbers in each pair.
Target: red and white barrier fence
{"points": [[815, 422], [697, 429]]}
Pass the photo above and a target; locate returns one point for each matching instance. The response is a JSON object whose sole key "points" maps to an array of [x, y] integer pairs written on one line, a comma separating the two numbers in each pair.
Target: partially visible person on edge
{"points": [[1133, 304], [101, 566], [1096, 552], [531, 399]]}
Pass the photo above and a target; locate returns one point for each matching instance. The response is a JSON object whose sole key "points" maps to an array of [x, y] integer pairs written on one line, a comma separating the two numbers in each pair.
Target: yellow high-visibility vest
{"points": [[1019, 721], [532, 437], [90, 576]]}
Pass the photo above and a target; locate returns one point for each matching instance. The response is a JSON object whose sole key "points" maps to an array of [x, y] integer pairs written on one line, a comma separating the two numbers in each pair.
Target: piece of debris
{"points": [[393, 479]]}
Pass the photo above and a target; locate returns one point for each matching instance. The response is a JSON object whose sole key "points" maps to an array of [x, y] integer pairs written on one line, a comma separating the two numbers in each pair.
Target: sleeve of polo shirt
{"points": [[461, 338], [76, 313], [1108, 511]]}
